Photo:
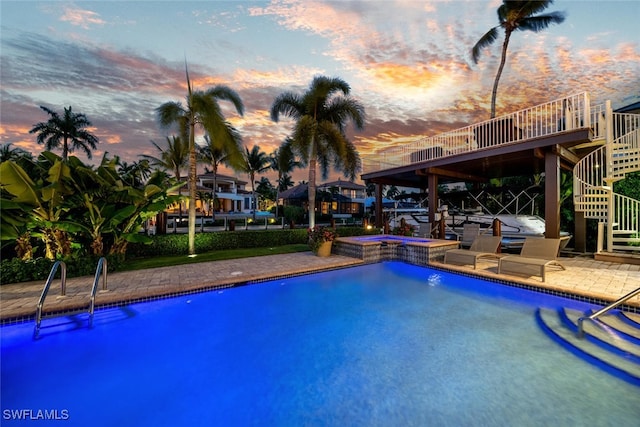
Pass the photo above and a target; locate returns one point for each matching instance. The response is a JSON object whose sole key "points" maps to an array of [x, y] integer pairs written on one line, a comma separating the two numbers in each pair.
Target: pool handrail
{"points": [[101, 270], [604, 310], [45, 291]]}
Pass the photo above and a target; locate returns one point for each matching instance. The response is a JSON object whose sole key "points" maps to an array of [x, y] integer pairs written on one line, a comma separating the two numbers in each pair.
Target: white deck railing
{"points": [[555, 117]]}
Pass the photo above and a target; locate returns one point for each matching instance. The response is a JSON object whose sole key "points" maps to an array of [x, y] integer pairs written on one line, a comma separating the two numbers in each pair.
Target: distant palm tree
{"points": [[266, 191], [201, 109], [134, 174], [8, 153], [174, 158], [255, 161], [283, 161], [285, 182], [515, 15], [69, 130], [319, 133], [392, 191], [215, 154]]}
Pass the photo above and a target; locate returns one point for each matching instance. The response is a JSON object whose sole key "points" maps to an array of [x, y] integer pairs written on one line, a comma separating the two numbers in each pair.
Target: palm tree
{"points": [[266, 191], [285, 182], [202, 109], [134, 174], [8, 153], [319, 133], [69, 130], [255, 161], [515, 15], [175, 158], [216, 154], [283, 161]]}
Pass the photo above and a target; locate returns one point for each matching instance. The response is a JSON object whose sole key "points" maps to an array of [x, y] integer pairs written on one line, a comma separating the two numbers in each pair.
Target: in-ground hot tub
{"points": [[386, 247]]}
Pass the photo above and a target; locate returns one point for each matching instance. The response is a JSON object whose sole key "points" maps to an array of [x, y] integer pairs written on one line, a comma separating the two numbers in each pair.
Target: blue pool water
{"points": [[379, 345]]}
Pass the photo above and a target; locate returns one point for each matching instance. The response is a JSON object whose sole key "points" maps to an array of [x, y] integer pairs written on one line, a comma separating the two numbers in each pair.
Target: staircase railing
{"points": [[596, 173], [590, 195], [604, 310]]}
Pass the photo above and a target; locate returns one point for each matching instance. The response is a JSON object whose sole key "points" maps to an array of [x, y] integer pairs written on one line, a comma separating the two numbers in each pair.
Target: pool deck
{"points": [[584, 277]]}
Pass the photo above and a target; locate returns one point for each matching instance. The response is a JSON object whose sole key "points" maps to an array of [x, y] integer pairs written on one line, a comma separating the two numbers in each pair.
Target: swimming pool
{"points": [[383, 344]]}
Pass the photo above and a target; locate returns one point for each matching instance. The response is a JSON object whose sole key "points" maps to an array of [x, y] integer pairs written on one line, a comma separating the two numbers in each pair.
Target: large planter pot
{"points": [[325, 249]]}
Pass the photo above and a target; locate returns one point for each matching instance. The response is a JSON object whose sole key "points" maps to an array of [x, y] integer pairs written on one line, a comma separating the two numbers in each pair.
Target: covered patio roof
{"points": [[542, 139]]}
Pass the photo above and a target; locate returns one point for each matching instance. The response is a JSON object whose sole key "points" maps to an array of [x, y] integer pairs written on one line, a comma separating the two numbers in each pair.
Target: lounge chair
{"points": [[424, 230], [537, 254], [469, 234], [483, 246]]}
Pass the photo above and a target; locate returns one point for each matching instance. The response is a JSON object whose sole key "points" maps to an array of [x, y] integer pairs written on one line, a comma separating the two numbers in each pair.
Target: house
{"points": [[231, 197], [347, 198], [336, 197], [231, 194]]}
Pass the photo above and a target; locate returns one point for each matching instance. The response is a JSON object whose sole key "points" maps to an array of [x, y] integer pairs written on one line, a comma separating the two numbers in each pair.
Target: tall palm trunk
{"points": [[252, 176], [65, 149], [278, 192], [503, 60], [214, 168], [312, 184], [192, 187]]}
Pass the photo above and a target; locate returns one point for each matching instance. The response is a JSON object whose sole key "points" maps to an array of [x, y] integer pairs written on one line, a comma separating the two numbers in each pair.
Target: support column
{"points": [[580, 233], [432, 181], [552, 195], [378, 213]]}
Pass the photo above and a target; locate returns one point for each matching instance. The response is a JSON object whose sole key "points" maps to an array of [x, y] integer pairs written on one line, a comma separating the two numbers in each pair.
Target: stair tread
{"points": [[632, 316], [552, 320], [610, 337], [614, 321]]}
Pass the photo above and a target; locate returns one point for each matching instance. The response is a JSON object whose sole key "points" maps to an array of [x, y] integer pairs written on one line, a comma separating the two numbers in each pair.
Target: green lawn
{"points": [[165, 261]]}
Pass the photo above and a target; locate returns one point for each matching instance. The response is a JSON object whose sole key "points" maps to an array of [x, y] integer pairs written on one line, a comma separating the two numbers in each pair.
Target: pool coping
{"points": [[81, 306]]}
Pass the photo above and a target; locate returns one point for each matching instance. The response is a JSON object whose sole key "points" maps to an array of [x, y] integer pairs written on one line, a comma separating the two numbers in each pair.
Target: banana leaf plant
{"points": [[44, 199]]}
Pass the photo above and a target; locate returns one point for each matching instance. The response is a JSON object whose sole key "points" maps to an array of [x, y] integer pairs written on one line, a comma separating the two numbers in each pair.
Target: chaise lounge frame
{"points": [[483, 246], [537, 254]]}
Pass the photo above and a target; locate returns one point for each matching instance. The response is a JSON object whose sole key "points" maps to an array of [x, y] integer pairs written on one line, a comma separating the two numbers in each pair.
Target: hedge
{"points": [[14, 270]]}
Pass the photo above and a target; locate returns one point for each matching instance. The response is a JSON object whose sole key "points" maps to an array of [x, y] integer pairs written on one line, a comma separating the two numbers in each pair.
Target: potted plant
{"points": [[403, 229], [320, 240]]}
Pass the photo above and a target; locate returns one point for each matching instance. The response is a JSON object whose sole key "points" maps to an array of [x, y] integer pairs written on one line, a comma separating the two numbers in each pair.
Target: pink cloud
{"points": [[81, 17]]}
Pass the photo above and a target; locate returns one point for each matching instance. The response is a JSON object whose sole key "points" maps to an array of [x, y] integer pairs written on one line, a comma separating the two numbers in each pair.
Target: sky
{"points": [[408, 63]]}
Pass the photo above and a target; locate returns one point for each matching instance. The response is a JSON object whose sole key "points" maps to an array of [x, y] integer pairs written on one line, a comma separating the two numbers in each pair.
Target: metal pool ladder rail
{"points": [[101, 270], [604, 310]]}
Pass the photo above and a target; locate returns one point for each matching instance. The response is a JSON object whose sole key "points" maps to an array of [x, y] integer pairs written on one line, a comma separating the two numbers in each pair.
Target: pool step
{"points": [[612, 344]]}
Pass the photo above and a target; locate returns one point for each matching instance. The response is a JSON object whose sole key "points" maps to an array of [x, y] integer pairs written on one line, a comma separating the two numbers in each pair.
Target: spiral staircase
{"points": [[618, 216]]}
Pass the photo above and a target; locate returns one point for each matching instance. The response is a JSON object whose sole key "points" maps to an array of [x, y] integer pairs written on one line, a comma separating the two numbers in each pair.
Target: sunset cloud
{"points": [[407, 62], [81, 17]]}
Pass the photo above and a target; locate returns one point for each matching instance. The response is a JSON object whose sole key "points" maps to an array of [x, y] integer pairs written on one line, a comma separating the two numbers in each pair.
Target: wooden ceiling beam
{"points": [[450, 174]]}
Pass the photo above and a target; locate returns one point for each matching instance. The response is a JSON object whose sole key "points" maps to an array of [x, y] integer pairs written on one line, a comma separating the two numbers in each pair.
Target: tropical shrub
{"points": [[15, 270]]}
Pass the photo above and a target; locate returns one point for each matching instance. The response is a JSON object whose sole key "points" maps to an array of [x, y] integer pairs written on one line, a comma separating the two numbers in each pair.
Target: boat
{"points": [[514, 227]]}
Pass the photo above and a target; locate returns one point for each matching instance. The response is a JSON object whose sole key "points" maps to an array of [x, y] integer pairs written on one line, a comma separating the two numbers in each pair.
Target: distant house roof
{"points": [[631, 108], [221, 177], [342, 184], [300, 191]]}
